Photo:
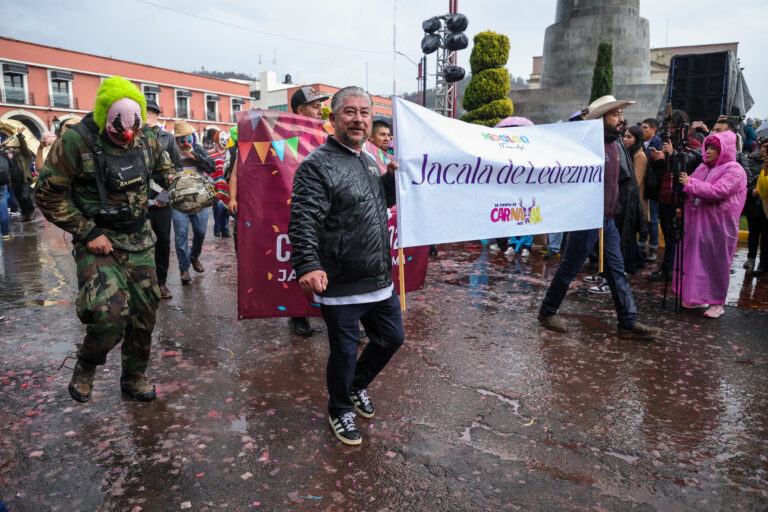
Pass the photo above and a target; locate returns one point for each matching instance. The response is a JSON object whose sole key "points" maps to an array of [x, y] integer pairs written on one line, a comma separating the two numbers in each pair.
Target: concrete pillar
{"points": [[570, 44]]}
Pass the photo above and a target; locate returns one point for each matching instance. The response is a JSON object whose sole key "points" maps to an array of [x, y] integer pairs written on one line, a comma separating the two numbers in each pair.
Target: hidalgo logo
{"points": [[507, 141], [517, 212]]}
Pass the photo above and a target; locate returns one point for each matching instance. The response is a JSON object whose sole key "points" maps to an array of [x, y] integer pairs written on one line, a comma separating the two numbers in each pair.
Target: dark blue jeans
{"points": [[653, 224], [345, 372], [220, 218], [579, 245], [666, 218], [181, 223], [4, 220]]}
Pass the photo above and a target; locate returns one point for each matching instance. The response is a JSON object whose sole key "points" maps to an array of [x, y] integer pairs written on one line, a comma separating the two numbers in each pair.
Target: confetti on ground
{"points": [[199, 475], [186, 504], [36, 453], [529, 423], [170, 353], [310, 497], [246, 475], [214, 414]]}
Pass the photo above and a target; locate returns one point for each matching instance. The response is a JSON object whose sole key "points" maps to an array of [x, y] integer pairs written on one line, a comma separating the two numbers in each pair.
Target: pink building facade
{"points": [[43, 86]]}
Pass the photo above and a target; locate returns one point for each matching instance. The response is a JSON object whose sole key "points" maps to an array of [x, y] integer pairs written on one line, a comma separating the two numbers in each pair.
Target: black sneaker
{"points": [[345, 429], [300, 325], [594, 278], [363, 405], [600, 288], [660, 275]]}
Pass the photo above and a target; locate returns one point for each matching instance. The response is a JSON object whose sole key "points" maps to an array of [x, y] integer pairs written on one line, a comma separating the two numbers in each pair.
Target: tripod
{"points": [[678, 224]]}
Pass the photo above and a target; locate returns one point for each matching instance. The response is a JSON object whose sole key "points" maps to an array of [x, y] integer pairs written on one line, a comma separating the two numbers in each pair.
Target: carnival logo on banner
{"points": [[495, 182], [271, 147], [517, 212]]}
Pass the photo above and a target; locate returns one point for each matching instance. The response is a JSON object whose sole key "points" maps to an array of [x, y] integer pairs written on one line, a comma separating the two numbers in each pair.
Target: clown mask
{"points": [[123, 121], [223, 139], [185, 142]]}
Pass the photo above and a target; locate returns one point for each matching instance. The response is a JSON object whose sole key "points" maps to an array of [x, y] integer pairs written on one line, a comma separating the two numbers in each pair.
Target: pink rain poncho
{"points": [[714, 198]]}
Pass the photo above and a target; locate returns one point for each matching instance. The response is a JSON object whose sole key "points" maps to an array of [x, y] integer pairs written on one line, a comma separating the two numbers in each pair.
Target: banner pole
{"points": [[600, 264], [401, 264]]}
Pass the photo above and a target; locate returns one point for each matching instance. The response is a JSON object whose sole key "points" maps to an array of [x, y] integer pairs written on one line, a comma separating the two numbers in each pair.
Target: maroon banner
{"points": [[271, 145]]}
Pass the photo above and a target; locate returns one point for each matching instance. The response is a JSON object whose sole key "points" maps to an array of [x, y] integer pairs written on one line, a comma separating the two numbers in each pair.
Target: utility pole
{"points": [[394, 49]]}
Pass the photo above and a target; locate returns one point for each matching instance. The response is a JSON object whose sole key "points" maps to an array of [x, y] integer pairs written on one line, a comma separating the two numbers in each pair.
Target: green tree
{"points": [[486, 95], [602, 76]]}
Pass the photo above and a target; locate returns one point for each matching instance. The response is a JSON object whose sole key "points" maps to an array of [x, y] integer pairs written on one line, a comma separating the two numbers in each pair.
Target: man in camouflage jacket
{"points": [[118, 290]]}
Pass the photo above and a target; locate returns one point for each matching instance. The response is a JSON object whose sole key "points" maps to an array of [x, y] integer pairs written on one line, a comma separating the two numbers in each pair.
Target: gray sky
{"points": [[359, 33]]}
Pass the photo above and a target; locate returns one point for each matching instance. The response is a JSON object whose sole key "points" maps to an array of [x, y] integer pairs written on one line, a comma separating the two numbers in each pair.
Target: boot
{"points": [[300, 326], [82, 381], [651, 256], [197, 265], [138, 387]]}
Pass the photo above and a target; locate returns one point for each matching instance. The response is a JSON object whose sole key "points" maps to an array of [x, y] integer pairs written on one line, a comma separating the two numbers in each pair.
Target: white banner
{"points": [[459, 181]]}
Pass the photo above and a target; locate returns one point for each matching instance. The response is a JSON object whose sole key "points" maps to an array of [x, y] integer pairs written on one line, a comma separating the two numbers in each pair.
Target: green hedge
{"points": [[491, 50], [495, 110], [486, 86]]}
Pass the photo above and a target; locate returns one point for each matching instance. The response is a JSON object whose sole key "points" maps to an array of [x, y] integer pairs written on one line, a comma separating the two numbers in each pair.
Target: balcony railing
{"points": [[211, 115], [60, 100], [18, 96], [185, 113]]}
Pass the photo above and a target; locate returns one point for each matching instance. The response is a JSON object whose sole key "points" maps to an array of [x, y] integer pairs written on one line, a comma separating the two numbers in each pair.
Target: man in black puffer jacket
{"points": [[340, 251]]}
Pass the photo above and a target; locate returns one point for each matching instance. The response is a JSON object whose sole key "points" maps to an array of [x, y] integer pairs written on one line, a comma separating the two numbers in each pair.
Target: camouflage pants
{"points": [[117, 301]]}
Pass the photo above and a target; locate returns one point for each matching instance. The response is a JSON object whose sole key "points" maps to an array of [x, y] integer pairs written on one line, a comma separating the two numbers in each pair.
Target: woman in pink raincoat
{"points": [[714, 197]]}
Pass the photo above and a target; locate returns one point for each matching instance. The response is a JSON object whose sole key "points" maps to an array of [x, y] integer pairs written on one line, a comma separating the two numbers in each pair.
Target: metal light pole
{"points": [[445, 97]]}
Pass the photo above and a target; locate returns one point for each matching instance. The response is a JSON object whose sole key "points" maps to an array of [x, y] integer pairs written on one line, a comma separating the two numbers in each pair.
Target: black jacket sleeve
{"points": [[310, 205], [204, 160]]}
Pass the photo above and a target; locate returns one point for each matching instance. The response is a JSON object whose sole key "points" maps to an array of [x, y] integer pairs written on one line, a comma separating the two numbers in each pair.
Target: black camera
{"points": [[112, 215]]}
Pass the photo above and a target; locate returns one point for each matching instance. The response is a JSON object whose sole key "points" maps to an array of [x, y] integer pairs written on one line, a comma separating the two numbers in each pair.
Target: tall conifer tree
{"points": [[602, 77]]}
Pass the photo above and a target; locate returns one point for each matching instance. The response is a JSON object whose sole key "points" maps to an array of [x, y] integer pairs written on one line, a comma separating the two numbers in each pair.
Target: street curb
{"points": [[743, 236]]}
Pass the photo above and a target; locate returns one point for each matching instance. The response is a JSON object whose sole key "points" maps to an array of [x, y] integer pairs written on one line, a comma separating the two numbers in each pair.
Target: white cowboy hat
{"points": [[604, 105]]}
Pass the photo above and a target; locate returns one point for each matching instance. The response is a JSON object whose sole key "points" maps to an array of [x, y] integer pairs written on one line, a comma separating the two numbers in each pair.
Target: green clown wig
{"points": [[111, 90]]}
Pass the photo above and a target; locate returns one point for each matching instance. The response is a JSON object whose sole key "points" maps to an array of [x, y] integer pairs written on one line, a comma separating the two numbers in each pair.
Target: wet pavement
{"points": [[480, 410]]}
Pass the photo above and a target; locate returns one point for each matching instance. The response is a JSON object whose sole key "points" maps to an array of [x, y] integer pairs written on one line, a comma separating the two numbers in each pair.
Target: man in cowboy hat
{"points": [[193, 158], [159, 211], [580, 243], [94, 185]]}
